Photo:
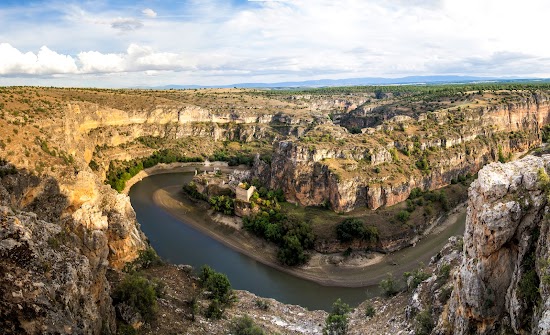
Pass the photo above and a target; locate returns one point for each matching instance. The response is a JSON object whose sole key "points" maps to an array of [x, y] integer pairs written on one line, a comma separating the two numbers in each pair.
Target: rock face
{"points": [[47, 285], [503, 282], [58, 238], [341, 174]]}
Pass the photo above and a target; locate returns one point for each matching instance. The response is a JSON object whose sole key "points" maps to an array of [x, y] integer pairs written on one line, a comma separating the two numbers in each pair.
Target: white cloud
{"points": [[46, 61], [137, 58], [149, 12], [215, 41]]}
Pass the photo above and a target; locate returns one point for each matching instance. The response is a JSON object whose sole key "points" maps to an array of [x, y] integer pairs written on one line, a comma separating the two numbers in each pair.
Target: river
{"points": [[179, 243]]}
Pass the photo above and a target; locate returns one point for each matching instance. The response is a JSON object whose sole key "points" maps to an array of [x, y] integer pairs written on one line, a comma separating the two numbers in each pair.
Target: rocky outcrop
{"points": [[503, 282], [59, 236], [48, 285]]}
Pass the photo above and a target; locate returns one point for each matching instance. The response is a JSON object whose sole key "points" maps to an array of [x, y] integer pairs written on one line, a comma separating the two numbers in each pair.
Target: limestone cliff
{"points": [[59, 236], [338, 170], [503, 281], [47, 286], [501, 285]]}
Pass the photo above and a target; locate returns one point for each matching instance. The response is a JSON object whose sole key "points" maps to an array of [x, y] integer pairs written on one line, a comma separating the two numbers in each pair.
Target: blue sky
{"points": [[209, 42]]}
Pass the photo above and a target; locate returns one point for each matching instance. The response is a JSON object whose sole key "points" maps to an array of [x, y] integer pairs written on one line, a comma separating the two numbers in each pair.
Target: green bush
{"points": [[216, 283], [146, 259], [191, 190], [223, 204], [215, 310], [444, 272], [121, 171], [139, 293], [262, 304], [349, 229], [337, 321], [370, 311], [292, 236], [388, 285], [424, 323], [93, 165], [245, 326], [403, 216], [418, 276], [291, 252], [124, 329]]}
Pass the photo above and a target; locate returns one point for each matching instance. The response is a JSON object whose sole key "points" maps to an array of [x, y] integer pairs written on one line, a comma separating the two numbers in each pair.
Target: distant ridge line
{"points": [[368, 81]]}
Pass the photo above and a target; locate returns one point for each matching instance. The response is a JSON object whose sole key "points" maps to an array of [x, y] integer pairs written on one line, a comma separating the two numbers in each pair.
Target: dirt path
{"points": [[360, 272]]}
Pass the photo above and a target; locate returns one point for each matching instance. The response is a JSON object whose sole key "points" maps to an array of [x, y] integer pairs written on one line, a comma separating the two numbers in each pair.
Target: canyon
{"points": [[64, 230]]}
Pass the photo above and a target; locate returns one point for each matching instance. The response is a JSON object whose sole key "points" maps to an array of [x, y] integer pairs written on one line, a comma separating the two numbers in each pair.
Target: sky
{"points": [[221, 42]]}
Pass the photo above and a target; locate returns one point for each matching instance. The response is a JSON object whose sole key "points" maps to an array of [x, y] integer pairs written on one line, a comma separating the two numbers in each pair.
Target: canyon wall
{"points": [[305, 173]]}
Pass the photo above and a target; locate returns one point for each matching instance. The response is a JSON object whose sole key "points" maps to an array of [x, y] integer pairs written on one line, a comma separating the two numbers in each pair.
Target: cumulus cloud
{"points": [[46, 61], [149, 12], [126, 24], [286, 40]]}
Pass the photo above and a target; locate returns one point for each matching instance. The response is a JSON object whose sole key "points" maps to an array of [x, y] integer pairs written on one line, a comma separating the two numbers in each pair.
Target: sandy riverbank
{"points": [[330, 270]]}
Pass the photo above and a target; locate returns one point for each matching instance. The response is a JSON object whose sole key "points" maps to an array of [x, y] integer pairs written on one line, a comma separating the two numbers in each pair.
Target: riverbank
{"points": [[357, 271]]}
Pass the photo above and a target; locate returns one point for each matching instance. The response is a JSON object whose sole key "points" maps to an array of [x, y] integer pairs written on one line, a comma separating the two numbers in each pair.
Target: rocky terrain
{"points": [[383, 168], [64, 230], [499, 284]]}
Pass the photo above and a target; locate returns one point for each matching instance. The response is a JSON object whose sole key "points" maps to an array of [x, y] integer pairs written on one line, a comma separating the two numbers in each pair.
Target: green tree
{"points": [[291, 252], [216, 283], [337, 321], [139, 293]]}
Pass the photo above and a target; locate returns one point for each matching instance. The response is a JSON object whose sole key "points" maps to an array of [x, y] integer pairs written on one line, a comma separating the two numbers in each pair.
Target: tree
{"points": [[216, 283], [291, 252], [349, 229], [337, 321], [139, 293]]}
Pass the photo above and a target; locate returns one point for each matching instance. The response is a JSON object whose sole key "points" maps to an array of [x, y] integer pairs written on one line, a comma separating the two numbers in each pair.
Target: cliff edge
{"points": [[501, 283]]}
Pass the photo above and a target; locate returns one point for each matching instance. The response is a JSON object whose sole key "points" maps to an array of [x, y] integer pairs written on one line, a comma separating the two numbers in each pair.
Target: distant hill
{"points": [[420, 80]]}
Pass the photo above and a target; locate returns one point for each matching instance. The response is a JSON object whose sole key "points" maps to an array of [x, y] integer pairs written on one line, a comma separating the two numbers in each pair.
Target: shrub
{"points": [[416, 276], [444, 272], [262, 304], [146, 259], [370, 311], [337, 321], [424, 323], [223, 203], [349, 229], [139, 293], [191, 190], [403, 216], [388, 285], [291, 252], [215, 310], [93, 165], [245, 326]]}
